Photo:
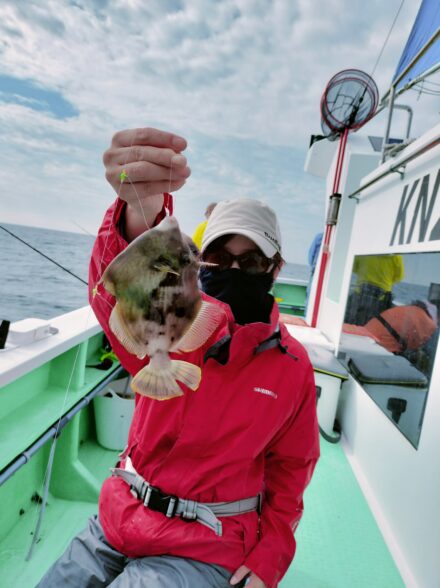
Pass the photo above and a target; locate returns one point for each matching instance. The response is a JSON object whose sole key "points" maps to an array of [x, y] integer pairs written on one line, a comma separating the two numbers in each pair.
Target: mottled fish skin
{"points": [[154, 281]]}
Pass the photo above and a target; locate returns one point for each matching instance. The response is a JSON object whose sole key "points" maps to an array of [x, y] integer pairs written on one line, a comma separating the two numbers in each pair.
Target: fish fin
{"points": [[157, 385], [207, 320], [187, 373], [165, 269], [162, 384], [107, 283], [119, 327]]}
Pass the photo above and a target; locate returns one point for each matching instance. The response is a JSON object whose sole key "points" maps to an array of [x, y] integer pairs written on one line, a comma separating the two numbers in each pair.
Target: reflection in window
{"points": [[391, 330]]}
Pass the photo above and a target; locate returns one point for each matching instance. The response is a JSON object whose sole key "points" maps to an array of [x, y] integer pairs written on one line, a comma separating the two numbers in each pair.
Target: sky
{"points": [[241, 80]]}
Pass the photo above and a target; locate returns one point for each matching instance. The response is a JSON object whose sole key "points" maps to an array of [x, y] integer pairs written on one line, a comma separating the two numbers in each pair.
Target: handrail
{"points": [[396, 168], [409, 110], [408, 85], [55, 429]]}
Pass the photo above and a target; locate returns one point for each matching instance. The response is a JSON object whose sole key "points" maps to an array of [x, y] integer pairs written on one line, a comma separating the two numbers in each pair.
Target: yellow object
{"points": [[277, 299], [198, 234], [380, 270], [123, 175], [107, 354]]}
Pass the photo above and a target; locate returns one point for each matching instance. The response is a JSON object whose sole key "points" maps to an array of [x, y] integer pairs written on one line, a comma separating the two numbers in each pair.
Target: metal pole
{"points": [[390, 116], [328, 230], [416, 58], [55, 429]]}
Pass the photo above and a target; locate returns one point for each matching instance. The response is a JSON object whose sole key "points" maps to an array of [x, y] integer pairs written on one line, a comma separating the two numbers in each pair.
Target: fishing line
{"points": [[44, 489], [43, 254], [46, 479], [140, 203], [387, 37]]}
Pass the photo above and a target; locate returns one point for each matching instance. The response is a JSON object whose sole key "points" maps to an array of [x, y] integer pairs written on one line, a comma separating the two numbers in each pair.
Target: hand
{"points": [[151, 159], [242, 572], [151, 163]]}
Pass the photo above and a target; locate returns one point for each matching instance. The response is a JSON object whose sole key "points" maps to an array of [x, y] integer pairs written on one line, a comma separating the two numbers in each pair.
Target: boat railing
{"points": [[416, 149], [71, 329], [291, 281]]}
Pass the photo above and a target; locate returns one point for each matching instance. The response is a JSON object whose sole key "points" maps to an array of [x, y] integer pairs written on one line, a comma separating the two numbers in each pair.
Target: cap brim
{"points": [[266, 246]]}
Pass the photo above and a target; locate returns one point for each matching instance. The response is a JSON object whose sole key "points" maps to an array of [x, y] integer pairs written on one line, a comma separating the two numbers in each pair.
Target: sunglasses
{"points": [[251, 262]]}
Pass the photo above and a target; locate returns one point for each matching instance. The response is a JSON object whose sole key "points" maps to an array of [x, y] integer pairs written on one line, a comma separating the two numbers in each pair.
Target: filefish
{"points": [[159, 308]]}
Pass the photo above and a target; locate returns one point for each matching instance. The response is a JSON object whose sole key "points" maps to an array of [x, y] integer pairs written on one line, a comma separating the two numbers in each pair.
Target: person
{"points": [[406, 330], [244, 444], [197, 236], [372, 292]]}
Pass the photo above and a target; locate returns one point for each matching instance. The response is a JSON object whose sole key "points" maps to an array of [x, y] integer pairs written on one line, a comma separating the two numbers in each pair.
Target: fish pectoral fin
{"points": [[119, 327], [207, 320], [162, 384], [165, 269]]}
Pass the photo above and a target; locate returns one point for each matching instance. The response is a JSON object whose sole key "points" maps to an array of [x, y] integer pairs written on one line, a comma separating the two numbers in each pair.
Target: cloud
{"points": [[240, 79]]}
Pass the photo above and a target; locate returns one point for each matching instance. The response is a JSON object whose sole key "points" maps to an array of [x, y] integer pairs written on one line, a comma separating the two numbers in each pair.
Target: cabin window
{"points": [[390, 333]]}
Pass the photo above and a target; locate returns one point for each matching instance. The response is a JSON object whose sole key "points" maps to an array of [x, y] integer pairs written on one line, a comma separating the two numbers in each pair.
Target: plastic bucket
{"points": [[113, 413], [328, 400]]}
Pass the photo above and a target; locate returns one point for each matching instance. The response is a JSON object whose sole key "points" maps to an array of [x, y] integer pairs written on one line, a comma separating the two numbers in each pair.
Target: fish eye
{"points": [[162, 260], [185, 258]]}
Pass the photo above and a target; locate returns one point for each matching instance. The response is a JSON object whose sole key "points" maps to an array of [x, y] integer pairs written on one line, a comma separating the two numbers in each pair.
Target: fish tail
{"points": [[187, 373], [162, 384]]}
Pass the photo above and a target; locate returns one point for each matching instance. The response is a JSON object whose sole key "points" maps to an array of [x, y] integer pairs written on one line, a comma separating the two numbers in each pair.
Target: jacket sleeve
{"points": [[108, 244], [290, 461]]}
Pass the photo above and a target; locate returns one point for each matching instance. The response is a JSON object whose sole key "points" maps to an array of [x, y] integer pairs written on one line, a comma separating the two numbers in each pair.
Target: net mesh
{"points": [[349, 101]]}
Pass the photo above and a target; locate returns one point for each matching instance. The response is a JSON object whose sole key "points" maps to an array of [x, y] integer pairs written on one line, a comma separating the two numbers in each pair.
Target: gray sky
{"points": [[241, 80]]}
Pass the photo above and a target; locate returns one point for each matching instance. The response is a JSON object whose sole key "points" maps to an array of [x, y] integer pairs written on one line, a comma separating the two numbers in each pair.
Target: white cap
{"points": [[248, 217]]}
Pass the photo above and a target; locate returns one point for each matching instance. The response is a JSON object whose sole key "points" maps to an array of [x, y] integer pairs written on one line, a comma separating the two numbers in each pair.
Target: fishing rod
{"points": [[42, 254]]}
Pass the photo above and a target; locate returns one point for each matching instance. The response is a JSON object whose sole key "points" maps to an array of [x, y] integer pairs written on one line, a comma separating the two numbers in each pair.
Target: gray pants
{"points": [[91, 562]]}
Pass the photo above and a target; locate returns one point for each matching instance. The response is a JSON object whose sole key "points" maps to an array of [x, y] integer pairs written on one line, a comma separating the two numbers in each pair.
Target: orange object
{"points": [[411, 323]]}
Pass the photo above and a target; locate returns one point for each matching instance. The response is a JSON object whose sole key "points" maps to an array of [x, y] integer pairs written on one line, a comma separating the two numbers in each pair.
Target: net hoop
{"points": [[348, 102]]}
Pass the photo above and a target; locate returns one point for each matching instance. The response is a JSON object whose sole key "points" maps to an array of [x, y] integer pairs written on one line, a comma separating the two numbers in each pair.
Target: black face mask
{"points": [[247, 294]]}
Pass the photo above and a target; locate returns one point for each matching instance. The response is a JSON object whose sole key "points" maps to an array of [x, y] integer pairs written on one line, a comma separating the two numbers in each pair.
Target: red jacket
{"points": [[250, 425]]}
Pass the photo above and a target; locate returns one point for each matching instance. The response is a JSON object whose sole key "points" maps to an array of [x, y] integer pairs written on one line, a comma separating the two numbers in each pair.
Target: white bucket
{"points": [[113, 413], [328, 401]]}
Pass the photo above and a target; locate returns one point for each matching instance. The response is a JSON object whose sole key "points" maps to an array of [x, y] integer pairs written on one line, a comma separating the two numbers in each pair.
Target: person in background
{"points": [[407, 330], [235, 456], [200, 229], [313, 255], [372, 292]]}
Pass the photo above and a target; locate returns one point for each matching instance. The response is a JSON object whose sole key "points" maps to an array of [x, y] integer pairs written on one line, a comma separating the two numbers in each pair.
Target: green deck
{"points": [[339, 544]]}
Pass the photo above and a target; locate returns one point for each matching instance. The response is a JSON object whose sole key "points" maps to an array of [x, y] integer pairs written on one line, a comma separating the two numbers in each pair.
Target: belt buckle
{"points": [[158, 501], [139, 494]]}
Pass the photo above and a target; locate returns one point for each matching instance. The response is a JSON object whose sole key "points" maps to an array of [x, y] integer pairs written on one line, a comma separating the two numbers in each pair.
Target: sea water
{"points": [[32, 286]]}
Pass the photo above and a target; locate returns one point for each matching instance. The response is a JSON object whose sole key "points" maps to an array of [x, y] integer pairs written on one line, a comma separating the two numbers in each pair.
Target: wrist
{"points": [[138, 218]]}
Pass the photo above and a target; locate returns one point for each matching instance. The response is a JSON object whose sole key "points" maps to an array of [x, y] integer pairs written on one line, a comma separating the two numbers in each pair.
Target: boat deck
{"points": [[339, 544]]}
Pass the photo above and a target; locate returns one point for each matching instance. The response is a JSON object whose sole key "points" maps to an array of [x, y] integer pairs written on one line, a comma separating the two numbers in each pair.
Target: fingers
{"points": [[156, 155], [144, 171], [148, 136], [146, 178], [138, 194], [146, 161], [239, 575]]}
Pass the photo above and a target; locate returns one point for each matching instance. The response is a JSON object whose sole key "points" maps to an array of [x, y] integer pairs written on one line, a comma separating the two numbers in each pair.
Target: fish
{"points": [[159, 308]]}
